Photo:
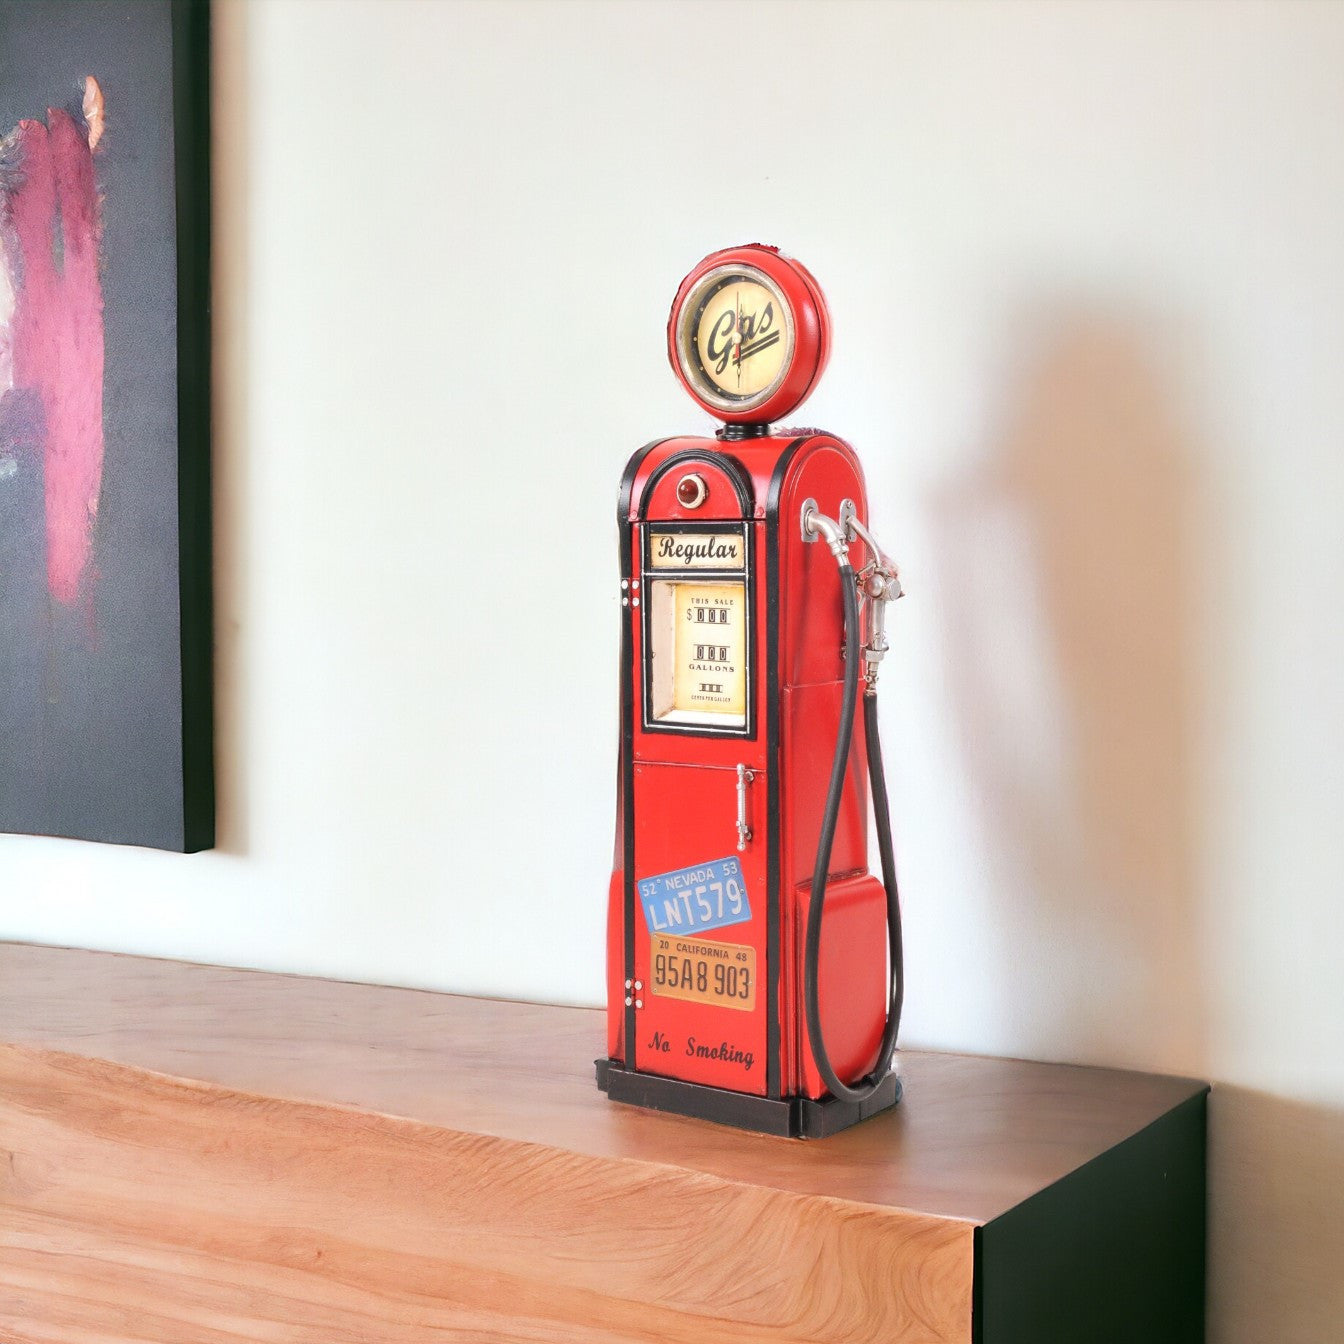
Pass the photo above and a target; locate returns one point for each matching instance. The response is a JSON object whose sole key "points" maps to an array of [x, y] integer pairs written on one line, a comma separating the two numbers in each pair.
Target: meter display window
{"points": [[698, 646]]}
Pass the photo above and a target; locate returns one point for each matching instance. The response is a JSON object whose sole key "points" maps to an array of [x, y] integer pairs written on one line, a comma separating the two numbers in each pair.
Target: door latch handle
{"points": [[744, 777]]}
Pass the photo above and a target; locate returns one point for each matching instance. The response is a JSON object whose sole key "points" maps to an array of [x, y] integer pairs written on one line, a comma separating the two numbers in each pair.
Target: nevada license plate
{"points": [[694, 900]]}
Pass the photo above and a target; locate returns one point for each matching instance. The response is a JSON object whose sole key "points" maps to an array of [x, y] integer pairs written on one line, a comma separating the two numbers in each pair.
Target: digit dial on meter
{"points": [[749, 334]]}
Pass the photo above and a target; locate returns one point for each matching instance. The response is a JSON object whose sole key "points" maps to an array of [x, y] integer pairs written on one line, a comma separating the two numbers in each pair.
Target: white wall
{"points": [[1085, 268]]}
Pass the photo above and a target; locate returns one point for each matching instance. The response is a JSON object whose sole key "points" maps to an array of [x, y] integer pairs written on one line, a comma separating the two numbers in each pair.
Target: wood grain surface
{"points": [[139, 1207], [191, 1154], [973, 1137]]}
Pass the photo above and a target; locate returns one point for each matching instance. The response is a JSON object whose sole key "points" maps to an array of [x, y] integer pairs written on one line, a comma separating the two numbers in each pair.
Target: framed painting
{"points": [[105, 634]]}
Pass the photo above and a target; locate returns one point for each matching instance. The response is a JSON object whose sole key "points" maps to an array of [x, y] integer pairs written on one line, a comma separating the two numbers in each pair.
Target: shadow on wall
{"points": [[1070, 605], [1276, 1238], [1076, 714]]}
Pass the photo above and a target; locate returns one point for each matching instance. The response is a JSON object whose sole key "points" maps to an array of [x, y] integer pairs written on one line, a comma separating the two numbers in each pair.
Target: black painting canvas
{"points": [[104, 418]]}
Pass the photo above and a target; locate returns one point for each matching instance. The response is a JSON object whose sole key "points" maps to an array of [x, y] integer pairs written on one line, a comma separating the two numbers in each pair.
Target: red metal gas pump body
{"points": [[678, 792], [711, 1023]]}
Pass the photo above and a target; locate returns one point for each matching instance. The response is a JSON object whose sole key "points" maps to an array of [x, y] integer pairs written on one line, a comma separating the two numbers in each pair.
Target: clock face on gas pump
{"points": [[736, 337]]}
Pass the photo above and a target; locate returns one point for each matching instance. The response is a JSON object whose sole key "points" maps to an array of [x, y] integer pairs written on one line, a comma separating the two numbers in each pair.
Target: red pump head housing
{"points": [[749, 334]]}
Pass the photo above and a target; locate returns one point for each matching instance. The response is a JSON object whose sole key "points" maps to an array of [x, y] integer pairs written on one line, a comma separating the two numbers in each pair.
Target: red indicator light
{"points": [[691, 491]]}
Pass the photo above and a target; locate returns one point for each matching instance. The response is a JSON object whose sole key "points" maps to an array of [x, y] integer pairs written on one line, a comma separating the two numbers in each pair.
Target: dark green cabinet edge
{"points": [[1114, 1253]]}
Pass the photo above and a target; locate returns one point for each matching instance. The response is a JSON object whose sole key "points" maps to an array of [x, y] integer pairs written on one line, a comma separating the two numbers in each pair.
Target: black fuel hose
{"points": [[882, 817]]}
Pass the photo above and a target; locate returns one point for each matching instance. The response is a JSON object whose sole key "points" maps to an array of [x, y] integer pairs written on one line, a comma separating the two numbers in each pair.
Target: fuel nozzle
{"points": [[879, 584], [878, 581]]}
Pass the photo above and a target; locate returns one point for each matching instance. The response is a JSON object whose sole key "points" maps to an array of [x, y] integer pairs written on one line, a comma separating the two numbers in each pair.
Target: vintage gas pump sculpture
{"points": [[742, 814]]}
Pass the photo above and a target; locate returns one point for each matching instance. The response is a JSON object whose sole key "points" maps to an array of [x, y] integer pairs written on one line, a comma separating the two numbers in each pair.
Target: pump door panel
{"points": [[700, 926]]}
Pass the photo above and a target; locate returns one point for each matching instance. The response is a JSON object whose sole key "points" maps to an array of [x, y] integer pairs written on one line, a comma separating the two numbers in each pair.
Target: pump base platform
{"points": [[787, 1117]]}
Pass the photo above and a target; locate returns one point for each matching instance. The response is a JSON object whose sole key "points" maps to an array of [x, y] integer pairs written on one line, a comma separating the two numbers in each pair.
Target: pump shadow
{"points": [[1072, 612], [1068, 612]]}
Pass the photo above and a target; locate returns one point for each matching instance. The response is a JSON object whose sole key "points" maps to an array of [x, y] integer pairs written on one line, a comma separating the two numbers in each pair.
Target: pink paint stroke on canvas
{"points": [[51, 320]]}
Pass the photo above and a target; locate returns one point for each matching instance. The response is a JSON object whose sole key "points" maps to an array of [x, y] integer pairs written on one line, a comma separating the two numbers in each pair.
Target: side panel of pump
{"points": [[809, 671]]}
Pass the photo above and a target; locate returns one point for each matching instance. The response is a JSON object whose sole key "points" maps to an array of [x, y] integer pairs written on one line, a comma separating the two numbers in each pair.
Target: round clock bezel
{"points": [[804, 313], [692, 309]]}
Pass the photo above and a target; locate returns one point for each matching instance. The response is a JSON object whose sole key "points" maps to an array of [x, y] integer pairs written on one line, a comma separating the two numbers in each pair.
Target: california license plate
{"points": [[723, 974]]}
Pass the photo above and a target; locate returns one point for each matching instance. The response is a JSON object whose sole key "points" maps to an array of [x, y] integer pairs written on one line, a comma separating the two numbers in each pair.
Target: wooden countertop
{"points": [[973, 1137]]}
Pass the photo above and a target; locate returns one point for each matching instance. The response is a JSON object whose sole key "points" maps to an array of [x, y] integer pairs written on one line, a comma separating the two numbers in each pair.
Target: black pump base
{"points": [[789, 1117]]}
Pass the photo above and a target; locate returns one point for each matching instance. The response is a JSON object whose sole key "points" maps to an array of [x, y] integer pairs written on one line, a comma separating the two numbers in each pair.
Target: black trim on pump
{"points": [[787, 1117], [774, 858], [730, 466], [745, 574], [628, 476], [627, 770]]}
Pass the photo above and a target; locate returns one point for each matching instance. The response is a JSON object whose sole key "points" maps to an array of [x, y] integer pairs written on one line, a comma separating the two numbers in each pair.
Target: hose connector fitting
{"points": [[816, 524]]}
